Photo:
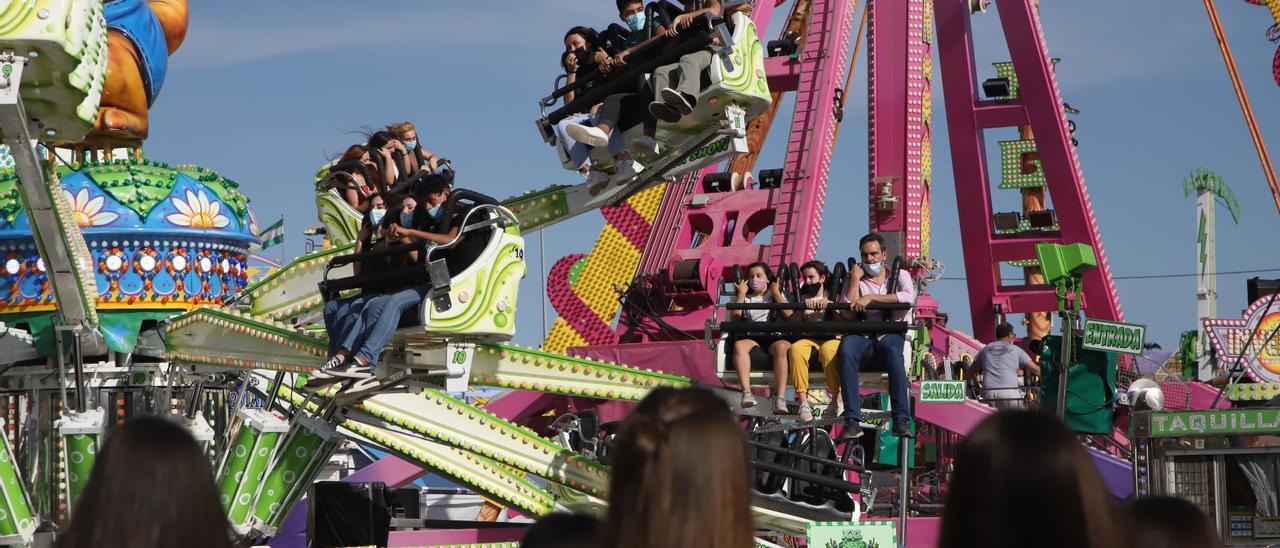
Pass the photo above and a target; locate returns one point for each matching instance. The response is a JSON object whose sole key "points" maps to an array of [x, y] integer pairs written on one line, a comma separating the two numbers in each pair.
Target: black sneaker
{"points": [[680, 101], [324, 375], [850, 429], [902, 427], [664, 112]]}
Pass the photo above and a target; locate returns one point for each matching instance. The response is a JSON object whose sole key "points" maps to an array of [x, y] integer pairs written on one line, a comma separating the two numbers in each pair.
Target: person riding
{"points": [[760, 287]]}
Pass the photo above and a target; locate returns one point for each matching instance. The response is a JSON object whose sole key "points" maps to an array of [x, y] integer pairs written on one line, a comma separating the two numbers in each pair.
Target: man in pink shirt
{"points": [[869, 283]]}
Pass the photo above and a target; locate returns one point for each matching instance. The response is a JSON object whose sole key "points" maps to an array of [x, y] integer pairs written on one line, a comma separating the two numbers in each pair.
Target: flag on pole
{"points": [[271, 236]]}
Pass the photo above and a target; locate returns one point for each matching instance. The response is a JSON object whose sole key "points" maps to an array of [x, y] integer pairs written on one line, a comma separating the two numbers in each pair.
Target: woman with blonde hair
{"points": [[418, 156], [681, 478]]}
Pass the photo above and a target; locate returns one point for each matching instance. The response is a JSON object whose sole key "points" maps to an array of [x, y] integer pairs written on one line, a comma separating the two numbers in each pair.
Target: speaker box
{"points": [[406, 502], [1259, 288], [347, 514]]}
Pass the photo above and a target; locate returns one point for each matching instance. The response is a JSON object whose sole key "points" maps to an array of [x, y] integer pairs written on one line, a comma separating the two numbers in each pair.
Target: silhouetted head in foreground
{"points": [[1169, 522], [151, 487], [1022, 479], [681, 477]]}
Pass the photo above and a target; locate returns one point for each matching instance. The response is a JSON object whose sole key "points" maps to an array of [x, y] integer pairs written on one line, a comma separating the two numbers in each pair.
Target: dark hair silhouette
{"points": [[1021, 479], [1169, 522], [677, 443], [151, 487], [1003, 330], [872, 237], [562, 531]]}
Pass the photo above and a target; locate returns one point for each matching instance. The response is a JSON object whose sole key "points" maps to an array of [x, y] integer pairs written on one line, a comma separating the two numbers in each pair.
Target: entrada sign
{"points": [[1214, 423], [1125, 338], [942, 392]]}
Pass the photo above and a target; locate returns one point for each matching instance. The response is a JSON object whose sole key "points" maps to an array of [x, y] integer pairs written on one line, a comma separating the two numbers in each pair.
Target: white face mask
{"points": [[873, 269]]}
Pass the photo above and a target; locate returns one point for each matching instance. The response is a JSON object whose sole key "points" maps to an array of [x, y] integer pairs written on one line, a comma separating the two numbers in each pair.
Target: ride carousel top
{"points": [[163, 240]]}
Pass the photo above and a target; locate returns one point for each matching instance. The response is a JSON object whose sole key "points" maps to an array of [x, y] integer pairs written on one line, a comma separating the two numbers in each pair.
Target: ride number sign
{"points": [[1125, 338], [942, 392]]}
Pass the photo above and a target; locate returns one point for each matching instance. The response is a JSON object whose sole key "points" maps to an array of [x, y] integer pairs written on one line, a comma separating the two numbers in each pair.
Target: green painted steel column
{"points": [[245, 462], [81, 438], [305, 449], [17, 521]]}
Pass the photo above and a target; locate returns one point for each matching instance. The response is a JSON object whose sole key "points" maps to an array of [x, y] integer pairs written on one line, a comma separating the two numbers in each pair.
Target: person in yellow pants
{"points": [[814, 275]]}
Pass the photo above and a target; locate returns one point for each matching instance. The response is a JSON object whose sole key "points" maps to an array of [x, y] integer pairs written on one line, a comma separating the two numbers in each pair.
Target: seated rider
{"points": [[342, 315], [418, 157], [672, 103], [353, 186], [385, 144], [813, 291], [868, 283], [582, 56], [612, 110], [760, 287], [380, 314]]}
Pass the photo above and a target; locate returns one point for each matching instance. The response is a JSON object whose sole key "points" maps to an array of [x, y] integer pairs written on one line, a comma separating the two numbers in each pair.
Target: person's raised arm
{"points": [[683, 20], [740, 296], [775, 291], [1028, 363], [852, 291]]}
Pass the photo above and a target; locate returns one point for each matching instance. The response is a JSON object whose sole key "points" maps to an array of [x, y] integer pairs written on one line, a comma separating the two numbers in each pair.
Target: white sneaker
{"points": [[806, 412], [644, 147], [362, 387], [780, 406], [587, 135], [748, 401]]}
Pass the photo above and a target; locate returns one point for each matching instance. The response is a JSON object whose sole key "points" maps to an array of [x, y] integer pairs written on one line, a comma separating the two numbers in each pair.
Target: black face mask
{"points": [[810, 290]]}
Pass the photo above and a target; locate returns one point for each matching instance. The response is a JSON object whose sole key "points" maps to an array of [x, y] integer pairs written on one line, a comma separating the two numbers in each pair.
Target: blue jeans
{"points": [[380, 317], [578, 152], [342, 321], [889, 349]]}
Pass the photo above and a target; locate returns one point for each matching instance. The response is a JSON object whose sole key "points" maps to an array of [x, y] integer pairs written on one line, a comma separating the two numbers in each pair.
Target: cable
{"points": [[1148, 276]]}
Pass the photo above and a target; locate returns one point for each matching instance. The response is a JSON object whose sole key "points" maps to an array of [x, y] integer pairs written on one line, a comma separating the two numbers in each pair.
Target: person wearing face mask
{"points": [[869, 283], [583, 53], [342, 315], [760, 287], [418, 157], [381, 313], [814, 292], [641, 32]]}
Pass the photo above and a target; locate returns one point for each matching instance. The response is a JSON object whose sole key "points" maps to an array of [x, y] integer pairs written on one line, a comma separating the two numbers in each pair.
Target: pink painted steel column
{"points": [[899, 96], [804, 181], [1039, 91], [968, 160]]}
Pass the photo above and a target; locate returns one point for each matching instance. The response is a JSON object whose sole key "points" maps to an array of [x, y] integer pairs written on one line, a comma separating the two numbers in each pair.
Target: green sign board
{"points": [[852, 534], [942, 392], [1214, 423], [1124, 338]]}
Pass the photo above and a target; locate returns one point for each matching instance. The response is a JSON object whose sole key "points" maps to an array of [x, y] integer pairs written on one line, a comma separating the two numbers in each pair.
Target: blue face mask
{"points": [[376, 215], [873, 269], [411, 144], [406, 219], [435, 211], [636, 21]]}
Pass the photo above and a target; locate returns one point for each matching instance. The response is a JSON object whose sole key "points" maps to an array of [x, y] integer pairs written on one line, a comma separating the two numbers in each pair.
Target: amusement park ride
{"points": [[127, 286]]}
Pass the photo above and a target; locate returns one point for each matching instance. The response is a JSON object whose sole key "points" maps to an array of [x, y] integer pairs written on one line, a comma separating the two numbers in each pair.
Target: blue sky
{"points": [[265, 92]]}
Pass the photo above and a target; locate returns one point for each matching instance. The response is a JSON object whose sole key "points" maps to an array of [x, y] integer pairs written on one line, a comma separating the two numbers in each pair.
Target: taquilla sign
{"points": [[1216, 423]]}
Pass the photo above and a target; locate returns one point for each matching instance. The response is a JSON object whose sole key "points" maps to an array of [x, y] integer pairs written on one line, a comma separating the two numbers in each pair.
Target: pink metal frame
{"points": [[1039, 105]]}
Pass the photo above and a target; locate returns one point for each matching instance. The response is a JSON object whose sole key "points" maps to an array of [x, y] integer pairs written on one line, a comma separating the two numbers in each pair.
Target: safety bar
{"points": [[801, 306], [824, 327], [805, 456], [825, 481]]}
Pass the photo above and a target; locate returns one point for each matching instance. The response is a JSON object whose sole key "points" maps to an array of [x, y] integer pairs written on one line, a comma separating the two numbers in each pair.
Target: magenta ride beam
{"points": [[1039, 105]]}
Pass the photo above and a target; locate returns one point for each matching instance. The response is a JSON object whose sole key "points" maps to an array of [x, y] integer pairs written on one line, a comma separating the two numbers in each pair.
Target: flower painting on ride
{"points": [[88, 210], [196, 211], [161, 238]]}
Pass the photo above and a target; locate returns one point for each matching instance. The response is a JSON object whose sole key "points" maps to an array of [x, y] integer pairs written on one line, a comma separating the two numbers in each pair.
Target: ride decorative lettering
{"points": [[1214, 423], [942, 392], [1124, 338]]}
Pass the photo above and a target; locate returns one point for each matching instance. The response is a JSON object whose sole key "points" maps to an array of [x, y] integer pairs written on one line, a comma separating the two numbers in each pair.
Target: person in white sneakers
{"points": [[760, 286]]}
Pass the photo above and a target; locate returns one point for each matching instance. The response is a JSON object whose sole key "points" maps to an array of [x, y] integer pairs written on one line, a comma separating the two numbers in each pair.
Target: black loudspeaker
{"points": [[406, 502], [347, 514], [1259, 288]]}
